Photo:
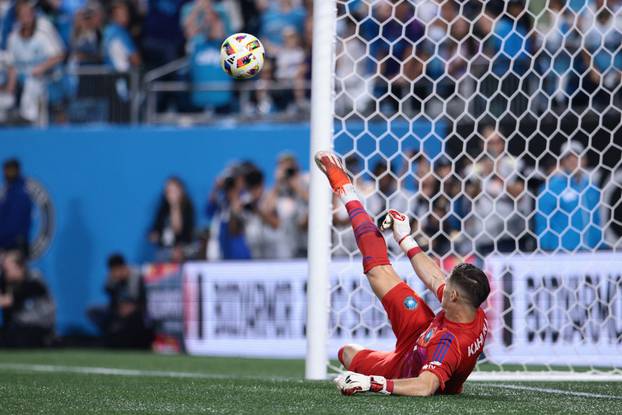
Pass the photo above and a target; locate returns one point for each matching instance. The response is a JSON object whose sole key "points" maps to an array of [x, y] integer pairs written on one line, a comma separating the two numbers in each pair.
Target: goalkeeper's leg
{"points": [[376, 265], [408, 313]]}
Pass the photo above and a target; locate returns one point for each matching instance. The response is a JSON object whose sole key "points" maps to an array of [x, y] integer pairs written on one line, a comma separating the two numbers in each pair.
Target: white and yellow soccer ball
{"points": [[242, 56]]}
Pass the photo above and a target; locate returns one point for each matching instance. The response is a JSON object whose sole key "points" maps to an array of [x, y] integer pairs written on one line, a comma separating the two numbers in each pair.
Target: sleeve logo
{"points": [[410, 303], [428, 335]]}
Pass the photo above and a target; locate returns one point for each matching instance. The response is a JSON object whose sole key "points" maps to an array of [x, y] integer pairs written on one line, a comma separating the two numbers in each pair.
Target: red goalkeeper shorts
{"points": [[409, 316]]}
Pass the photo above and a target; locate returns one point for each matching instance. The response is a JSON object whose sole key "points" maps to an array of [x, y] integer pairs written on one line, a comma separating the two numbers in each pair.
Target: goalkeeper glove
{"points": [[350, 383], [400, 225]]}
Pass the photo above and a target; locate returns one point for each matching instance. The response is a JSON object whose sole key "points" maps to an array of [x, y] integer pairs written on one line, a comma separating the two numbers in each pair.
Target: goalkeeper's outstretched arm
{"points": [[427, 270], [350, 383]]}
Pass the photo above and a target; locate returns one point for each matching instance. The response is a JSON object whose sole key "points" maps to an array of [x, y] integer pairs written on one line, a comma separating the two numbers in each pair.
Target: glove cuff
{"points": [[409, 246], [390, 386], [379, 384]]}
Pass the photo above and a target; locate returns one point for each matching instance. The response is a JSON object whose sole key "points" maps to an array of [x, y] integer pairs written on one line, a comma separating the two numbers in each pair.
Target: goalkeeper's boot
{"points": [[330, 164]]}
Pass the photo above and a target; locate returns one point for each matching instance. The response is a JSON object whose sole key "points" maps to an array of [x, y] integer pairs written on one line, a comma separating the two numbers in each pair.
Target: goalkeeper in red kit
{"points": [[433, 353]]}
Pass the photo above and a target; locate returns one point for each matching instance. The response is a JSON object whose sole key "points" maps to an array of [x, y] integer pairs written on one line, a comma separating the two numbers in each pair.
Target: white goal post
{"points": [[498, 127], [322, 99]]}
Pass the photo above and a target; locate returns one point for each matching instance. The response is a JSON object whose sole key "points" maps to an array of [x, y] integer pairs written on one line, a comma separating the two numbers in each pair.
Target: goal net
{"points": [[496, 126]]}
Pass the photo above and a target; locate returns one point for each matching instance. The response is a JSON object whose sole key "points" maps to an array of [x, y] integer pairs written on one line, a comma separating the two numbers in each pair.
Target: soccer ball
{"points": [[241, 56]]}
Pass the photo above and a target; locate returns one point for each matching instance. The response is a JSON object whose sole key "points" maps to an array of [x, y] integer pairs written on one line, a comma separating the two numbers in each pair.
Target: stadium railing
{"points": [[91, 94], [157, 83]]}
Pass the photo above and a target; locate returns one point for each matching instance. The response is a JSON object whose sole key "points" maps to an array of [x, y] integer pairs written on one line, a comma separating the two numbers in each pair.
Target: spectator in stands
{"points": [[494, 158], [251, 18], [35, 50], [7, 99], [198, 17], [602, 56], [173, 225], [558, 43], [442, 49], [120, 51], [86, 38], [398, 32], [568, 205], [162, 36], [60, 13], [28, 311], [389, 195], [204, 42], [414, 167], [351, 92], [495, 208], [15, 209], [505, 39], [7, 21], [290, 66], [288, 200], [261, 225], [123, 320], [438, 222], [266, 101], [226, 209], [428, 212], [275, 15]]}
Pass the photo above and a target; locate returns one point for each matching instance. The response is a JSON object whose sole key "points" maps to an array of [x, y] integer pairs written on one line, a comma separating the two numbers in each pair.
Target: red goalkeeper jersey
{"points": [[447, 349]]}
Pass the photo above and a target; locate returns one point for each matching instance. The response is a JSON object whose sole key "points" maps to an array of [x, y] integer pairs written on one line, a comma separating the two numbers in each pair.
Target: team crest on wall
{"points": [[42, 218]]}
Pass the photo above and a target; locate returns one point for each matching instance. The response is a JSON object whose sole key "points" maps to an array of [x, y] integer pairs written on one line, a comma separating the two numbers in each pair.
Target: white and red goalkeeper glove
{"points": [[350, 383], [400, 224]]}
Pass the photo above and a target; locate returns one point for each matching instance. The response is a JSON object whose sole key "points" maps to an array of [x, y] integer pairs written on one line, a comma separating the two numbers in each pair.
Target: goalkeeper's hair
{"points": [[472, 282]]}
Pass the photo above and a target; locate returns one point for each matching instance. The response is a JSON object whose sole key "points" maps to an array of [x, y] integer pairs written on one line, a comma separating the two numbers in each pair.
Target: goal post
{"points": [[324, 15], [497, 127]]}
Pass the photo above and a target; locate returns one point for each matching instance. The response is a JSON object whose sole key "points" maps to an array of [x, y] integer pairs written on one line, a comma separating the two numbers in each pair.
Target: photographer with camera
{"points": [[28, 310], [225, 205], [123, 322], [289, 202], [261, 223]]}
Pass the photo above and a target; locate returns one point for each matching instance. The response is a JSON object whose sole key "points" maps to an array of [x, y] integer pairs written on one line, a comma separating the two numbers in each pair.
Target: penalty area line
{"points": [[109, 371], [550, 391]]}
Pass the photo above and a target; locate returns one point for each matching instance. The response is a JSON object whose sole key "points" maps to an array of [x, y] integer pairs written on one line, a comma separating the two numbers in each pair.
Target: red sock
{"points": [[368, 237]]}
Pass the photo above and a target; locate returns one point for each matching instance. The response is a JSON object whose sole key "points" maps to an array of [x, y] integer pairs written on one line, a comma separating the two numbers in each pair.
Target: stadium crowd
{"points": [[555, 53], [46, 44], [537, 56]]}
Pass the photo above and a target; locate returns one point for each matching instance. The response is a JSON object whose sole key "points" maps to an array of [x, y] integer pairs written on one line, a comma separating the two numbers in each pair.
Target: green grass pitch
{"points": [[108, 382]]}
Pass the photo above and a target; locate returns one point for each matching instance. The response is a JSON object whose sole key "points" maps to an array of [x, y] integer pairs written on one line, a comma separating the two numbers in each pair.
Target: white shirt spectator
{"points": [[288, 63], [27, 53]]}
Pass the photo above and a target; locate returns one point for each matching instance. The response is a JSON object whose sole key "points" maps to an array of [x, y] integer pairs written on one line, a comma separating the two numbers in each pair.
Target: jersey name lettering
{"points": [[477, 344]]}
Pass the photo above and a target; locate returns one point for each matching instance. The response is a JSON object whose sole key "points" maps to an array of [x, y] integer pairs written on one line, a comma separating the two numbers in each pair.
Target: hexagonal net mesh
{"points": [[496, 127]]}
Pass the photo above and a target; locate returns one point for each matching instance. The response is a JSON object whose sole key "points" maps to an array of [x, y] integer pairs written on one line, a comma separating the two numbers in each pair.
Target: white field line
{"points": [[550, 391], [484, 376], [88, 370]]}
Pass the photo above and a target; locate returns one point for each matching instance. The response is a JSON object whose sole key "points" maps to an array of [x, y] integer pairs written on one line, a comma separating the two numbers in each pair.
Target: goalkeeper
{"points": [[433, 353]]}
